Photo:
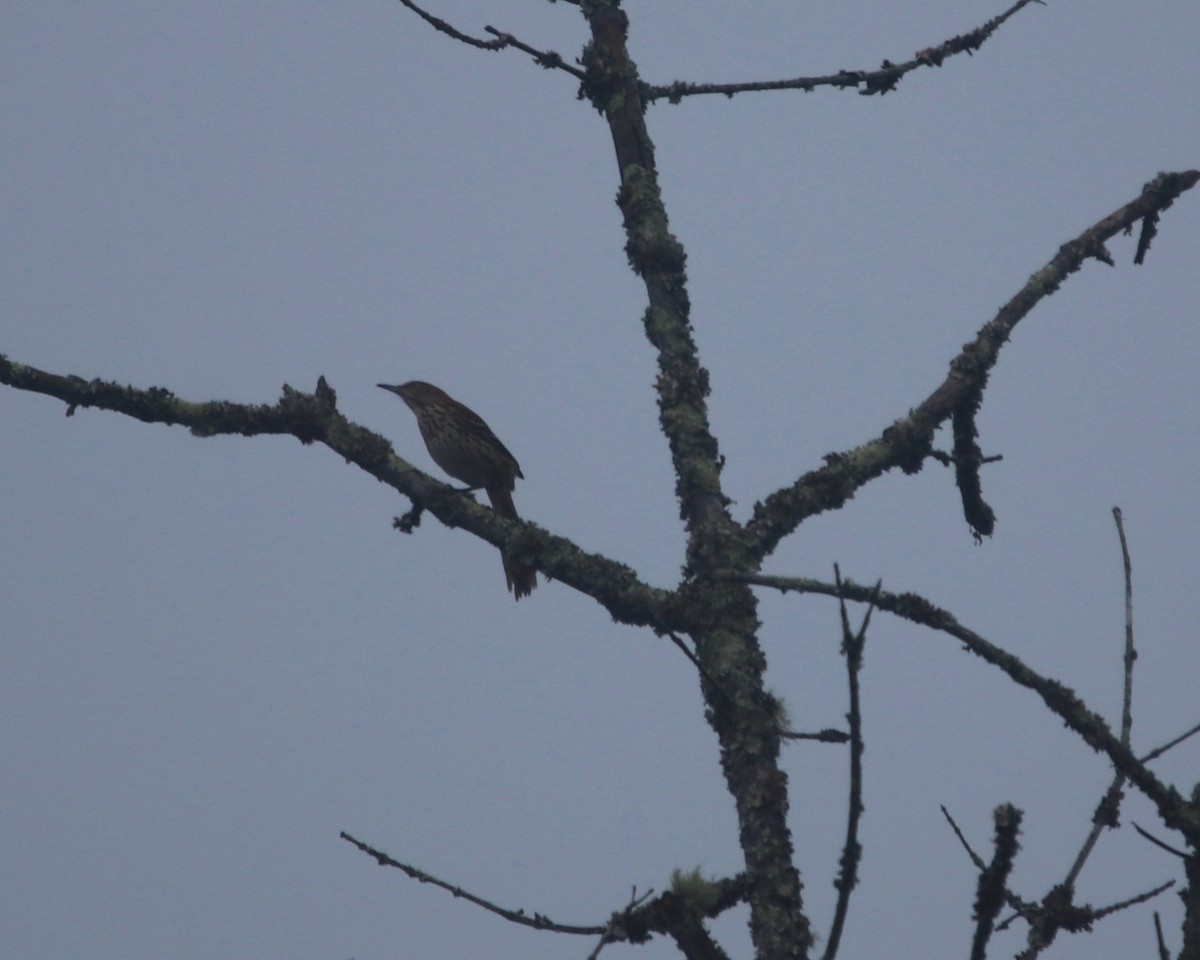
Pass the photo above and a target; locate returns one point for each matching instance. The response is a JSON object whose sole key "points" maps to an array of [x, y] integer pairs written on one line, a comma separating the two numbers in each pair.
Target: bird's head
{"points": [[415, 393]]}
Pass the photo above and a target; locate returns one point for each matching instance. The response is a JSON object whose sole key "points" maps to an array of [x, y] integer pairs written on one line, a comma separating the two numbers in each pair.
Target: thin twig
{"points": [[1159, 751], [1107, 812], [443, 27], [697, 664], [1163, 952], [537, 921], [975, 858], [1130, 651], [1158, 843], [543, 58], [1099, 913], [847, 878]]}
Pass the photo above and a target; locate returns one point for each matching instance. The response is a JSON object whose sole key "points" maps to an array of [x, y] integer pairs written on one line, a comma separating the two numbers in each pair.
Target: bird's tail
{"points": [[521, 579]]}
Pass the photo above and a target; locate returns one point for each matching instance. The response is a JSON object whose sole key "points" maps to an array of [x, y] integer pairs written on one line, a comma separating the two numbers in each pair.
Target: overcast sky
{"points": [[217, 654]]}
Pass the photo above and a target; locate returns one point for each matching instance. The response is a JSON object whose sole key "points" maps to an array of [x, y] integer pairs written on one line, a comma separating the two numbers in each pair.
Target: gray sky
{"points": [[217, 654]]}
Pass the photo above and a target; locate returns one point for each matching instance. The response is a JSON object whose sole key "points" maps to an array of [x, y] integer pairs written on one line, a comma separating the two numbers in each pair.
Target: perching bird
{"points": [[465, 447]]}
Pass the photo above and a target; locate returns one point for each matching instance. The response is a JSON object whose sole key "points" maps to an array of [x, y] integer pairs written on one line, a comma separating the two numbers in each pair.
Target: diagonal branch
{"points": [[908, 441], [315, 418], [1091, 727], [879, 81]]}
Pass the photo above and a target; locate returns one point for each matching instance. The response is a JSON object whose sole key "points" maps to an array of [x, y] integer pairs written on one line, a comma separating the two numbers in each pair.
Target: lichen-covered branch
{"points": [[908, 441], [314, 418], [993, 879], [723, 613], [1175, 812]]}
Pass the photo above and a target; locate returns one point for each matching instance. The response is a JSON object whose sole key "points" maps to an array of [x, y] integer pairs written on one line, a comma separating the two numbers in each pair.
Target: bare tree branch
{"points": [[1163, 952], [679, 914], [908, 441], [745, 719], [1159, 751], [443, 27], [975, 858], [879, 81], [1063, 702], [1057, 912], [537, 921], [1099, 913], [993, 879], [828, 735], [543, 58], [1107, 811], [1130, 650], [315, 418], [847, 878], [1158, 843]]}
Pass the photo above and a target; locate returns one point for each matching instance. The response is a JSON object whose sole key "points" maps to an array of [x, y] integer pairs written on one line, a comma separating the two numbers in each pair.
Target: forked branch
{"points": [[908, 441]]}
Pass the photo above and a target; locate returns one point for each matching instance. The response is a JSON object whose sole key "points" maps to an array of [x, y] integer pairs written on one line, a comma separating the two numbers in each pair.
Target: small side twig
{"points": [[1146, 834], [1130, 650], [1159, 751], [828, 735], [1101, 912], [975, 858], [705, 675]]}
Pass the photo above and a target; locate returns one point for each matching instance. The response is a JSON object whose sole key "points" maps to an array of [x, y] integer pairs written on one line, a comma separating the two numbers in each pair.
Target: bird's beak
{"points": [[389, 387]]}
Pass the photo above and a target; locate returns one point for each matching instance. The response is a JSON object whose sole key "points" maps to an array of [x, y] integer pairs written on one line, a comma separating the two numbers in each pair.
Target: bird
{"points": [[465, 447]]}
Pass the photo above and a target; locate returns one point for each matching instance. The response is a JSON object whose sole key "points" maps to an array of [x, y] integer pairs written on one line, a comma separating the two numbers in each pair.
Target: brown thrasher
{"points": [[465, 447]]}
